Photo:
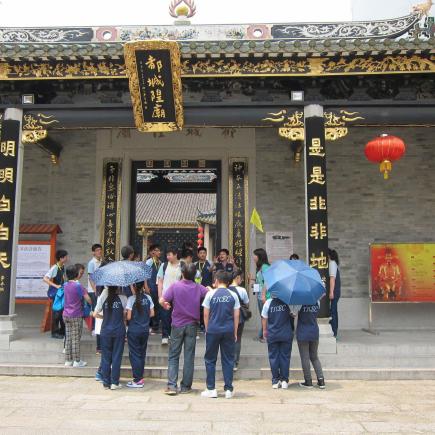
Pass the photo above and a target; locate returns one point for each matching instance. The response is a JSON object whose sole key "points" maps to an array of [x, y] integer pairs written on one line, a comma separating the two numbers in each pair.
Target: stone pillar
{"points": [[11, 169]]}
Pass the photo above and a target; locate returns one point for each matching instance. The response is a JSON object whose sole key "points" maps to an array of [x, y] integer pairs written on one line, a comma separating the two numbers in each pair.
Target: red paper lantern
{"points": [[200, 229], [384, 150], [200, 242]]}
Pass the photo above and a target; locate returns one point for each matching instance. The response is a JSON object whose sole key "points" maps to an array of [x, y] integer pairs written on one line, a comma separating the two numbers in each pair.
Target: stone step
{"points": [[245, 374], [246, 360]]}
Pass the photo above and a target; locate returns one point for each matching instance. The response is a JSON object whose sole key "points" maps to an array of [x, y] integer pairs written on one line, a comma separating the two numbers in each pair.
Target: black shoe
{"points": [[306, 384], [58, 336], [185, 390], [321, 384]]}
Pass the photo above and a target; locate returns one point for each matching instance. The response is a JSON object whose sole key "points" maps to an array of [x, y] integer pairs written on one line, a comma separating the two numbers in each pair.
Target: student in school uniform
{"points": [[154, 262], [278, 330], [140, 309], [112, 305], [307, 334], [221, 318], [242, 294]]}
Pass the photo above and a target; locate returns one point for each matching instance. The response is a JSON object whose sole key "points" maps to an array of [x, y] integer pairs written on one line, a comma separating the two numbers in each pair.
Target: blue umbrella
{"points": [[294, 282], [122, 273]]}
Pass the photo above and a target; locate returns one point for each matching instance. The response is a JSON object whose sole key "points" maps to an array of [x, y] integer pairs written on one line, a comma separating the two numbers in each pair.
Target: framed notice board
{"points": [[33, 262], [402, 272]]}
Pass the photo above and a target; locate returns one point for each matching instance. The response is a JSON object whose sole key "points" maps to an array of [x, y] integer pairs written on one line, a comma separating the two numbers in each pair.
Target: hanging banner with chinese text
{"points": [[154, 73], [238, 206], [10, 136], [316, 199], [402, 272], [111, 209]]}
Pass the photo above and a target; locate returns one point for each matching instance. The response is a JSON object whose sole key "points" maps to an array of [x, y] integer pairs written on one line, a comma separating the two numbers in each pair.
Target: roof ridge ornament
{"points": [[181, 10], [423, 9]]}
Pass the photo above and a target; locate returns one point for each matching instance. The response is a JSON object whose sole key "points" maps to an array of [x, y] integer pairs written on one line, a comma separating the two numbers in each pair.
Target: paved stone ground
{"points": [[67, 405]]}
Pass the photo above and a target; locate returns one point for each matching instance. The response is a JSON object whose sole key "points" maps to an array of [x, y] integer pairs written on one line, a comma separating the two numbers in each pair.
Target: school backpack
{"points": [[59, 300]]}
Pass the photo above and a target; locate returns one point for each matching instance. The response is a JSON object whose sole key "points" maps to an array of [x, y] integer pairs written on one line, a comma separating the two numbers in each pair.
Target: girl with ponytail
{"points": [[112, 337], [140, 309]]}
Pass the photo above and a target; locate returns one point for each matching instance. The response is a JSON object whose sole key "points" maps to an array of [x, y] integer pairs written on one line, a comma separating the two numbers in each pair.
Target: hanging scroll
{"points": [[154, 73], [238, 206], [111, 208], [316, 199], [10, 136]]}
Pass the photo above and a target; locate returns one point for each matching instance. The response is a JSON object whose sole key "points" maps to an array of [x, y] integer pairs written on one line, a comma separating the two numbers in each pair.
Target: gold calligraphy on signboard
{"points": [[238, 205], [154, 72], [111, 208]]}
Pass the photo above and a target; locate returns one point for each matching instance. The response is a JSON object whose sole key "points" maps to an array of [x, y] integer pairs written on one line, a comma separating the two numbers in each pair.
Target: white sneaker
{"points": [[277, 385], [80, 364], [115, 387], [68, 363], [63, 350], [210, 394], [229, 394], [284, 385], [165, 341]]}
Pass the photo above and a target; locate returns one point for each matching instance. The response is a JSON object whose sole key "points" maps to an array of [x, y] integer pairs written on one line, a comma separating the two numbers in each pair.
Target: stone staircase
{"points": [[390, 355]]}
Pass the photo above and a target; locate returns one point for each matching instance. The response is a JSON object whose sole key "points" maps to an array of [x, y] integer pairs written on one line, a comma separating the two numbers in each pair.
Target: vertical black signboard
{"points": [[111, 208], [154, 72], [238, 203], [316, 200], [9, 148]]}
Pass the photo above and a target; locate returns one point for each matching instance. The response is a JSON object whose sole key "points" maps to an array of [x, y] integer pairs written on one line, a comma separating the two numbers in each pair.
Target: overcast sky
{"points": [[121, 12]]}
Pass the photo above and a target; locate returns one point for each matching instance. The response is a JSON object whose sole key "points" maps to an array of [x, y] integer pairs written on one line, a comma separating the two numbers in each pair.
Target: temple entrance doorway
{"points": [[173, 202]]}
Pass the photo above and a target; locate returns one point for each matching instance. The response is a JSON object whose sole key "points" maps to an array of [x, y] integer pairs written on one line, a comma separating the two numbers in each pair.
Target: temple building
{"points": [[252, 97]]}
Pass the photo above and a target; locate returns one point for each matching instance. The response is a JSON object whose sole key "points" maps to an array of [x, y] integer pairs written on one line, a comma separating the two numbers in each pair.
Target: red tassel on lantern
{"points": [[384, 150]]}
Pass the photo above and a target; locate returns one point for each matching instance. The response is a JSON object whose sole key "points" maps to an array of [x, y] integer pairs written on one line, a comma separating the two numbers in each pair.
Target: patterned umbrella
{"points": [[122, 273]]}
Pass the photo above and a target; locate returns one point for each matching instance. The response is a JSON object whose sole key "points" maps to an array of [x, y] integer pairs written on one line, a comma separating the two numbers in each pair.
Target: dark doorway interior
{"points": [[171, 199]]}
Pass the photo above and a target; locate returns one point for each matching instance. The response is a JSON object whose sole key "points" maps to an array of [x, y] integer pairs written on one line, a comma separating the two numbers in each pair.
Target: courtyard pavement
{"points": [[78, 405]]}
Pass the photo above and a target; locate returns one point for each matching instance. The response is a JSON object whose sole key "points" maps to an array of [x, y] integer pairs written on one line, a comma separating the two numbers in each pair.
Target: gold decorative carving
{"points": [[335, 125], [33, 136], [423, 8], [135, 91], [70, 70], [335, 133], [38, 123], [294, 129]]}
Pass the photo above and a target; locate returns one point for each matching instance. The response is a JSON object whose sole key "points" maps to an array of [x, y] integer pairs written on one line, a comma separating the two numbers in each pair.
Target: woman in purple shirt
{"points": [[74, 294]]}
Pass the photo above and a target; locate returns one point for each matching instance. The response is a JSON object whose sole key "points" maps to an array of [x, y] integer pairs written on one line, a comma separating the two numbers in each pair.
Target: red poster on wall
{"points": [[402, 272]]}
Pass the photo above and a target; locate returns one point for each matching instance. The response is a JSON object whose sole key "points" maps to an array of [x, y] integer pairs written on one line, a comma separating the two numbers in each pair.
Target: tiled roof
{"points": [[172, 209], [39, 229], [203, 49], [321, 39]]}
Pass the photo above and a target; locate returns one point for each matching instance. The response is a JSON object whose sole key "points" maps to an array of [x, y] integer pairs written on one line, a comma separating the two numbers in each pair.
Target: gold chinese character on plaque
{"points": [[2, 283], [7, 148], [158, 111], [316, 149], [4, 232], [317, 203], [7, 175], [317, 176], [4, 262], [5, 204], [156, 96], [320, 262], [318, 231], [155, 81]]}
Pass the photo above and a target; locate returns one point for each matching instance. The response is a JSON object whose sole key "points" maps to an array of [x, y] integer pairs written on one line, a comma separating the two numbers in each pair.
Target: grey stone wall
{"points": [[63, 194], [363, 207]]}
